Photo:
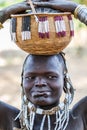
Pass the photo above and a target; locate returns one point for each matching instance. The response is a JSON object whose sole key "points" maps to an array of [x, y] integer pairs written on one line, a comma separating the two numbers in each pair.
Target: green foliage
{"points": [[4, 3], [81, 1]]}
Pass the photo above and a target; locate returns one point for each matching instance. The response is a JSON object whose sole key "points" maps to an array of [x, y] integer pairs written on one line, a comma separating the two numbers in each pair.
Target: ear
{"points": [[68, 87]]}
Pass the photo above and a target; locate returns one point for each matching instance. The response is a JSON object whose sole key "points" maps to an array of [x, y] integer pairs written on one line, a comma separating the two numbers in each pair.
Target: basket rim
{"points": [[29, 14]]}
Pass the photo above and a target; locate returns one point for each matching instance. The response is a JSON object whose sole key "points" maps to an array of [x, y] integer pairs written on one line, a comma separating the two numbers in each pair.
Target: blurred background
{"points": [[11, 60]]}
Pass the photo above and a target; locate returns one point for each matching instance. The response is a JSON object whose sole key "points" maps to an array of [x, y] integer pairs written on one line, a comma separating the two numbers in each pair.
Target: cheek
{"points": [[27, 87], [58, 87]]}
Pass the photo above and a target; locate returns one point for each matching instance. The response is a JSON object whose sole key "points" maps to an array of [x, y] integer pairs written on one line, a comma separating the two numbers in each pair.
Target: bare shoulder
{"points": [[8, 109], [3, 104], [81, 106], [79, 113], [8, 114]]}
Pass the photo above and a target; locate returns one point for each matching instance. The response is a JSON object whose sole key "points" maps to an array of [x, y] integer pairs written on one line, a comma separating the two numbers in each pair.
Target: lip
{"points": [[41, 93]]}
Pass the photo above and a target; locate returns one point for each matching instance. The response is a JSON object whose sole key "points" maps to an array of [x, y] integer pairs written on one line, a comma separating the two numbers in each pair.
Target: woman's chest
{"points": [[73, 124]]}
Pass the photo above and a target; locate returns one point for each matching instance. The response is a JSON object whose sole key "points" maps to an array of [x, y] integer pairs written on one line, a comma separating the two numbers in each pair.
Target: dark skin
{"points": [[7, 116], [43, 80], [50, 96], [44, 74]]}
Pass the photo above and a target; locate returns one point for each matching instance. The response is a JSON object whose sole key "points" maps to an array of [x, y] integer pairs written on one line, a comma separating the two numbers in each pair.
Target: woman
{"points": [[44, 80]]}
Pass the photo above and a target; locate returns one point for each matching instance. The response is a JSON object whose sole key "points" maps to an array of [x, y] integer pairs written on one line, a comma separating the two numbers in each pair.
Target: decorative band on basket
{"points": [[60, 26], [26, 28], [43, 27], [71, 25], [13, 25]]}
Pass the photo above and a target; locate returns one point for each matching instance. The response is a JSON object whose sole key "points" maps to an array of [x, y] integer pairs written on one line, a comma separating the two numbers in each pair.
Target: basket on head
{"points": [[42, 33]]}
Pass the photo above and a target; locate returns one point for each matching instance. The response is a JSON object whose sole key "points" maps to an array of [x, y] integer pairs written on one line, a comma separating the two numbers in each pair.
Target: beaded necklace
{"points": [[28, 112], [61, 112]]}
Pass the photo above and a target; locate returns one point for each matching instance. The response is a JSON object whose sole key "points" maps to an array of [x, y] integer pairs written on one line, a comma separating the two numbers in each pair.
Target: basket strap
{"points": [[33, 9], [32, 6]]}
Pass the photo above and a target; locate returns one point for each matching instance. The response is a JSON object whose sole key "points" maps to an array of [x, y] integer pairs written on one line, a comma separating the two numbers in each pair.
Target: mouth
{"points": [[41, 94]]}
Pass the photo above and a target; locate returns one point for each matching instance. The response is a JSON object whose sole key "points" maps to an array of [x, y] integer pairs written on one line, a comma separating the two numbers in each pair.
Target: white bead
{"points": [[39, 111]]}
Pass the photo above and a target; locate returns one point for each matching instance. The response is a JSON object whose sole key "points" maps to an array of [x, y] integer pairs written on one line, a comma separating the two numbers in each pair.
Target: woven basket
{"points": [[47, 45]]}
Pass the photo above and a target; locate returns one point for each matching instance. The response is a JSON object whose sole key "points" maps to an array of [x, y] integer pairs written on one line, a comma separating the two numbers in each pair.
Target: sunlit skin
{"points": [[43, 80]]}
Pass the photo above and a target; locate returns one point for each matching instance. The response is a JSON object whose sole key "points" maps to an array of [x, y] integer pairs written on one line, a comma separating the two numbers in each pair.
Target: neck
{"points": [[38, 119], [41, 111]]}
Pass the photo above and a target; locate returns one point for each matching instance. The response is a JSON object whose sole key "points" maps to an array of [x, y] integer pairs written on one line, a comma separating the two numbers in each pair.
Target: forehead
{"points": [[42, 63]]}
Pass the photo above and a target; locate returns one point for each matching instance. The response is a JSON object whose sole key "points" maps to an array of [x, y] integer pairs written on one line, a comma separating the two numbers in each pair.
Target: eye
{"points": [[52, 76], [29, 77]]}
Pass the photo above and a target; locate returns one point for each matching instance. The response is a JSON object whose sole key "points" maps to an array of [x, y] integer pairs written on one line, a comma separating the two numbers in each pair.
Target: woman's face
{"points": [[43, 80]]}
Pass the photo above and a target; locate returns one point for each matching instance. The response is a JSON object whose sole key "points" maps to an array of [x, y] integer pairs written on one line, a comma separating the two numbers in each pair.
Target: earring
{"points": [[68, 88]]}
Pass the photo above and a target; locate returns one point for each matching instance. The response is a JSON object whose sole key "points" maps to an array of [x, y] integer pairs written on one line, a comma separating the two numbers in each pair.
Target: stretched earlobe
{"points": [[68, 87]]}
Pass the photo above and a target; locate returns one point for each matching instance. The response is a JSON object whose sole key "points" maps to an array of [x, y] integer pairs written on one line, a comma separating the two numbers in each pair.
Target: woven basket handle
{"points": [[32, 6]]}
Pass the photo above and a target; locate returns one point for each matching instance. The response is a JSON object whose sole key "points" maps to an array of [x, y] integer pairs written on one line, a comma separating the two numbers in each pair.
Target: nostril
{"points": [[40, 85], [40, 82]]}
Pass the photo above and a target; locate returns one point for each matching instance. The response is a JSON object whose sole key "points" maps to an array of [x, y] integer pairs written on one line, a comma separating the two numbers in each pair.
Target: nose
{"points": [[40, 82]]}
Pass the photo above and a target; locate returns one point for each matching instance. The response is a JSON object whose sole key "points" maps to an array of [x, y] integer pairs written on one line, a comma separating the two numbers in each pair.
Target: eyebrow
{"points": [[45, 73]]}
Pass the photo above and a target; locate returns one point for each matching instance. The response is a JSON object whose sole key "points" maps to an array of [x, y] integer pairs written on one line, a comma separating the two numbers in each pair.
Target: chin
{"points": [[41, 103], [44, 104]]}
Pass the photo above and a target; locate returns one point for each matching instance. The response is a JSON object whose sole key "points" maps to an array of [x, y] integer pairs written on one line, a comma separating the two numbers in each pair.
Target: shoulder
{"points": [[8, 109], [80, 106], [6, 106], [8, 114], [80, 110]]}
